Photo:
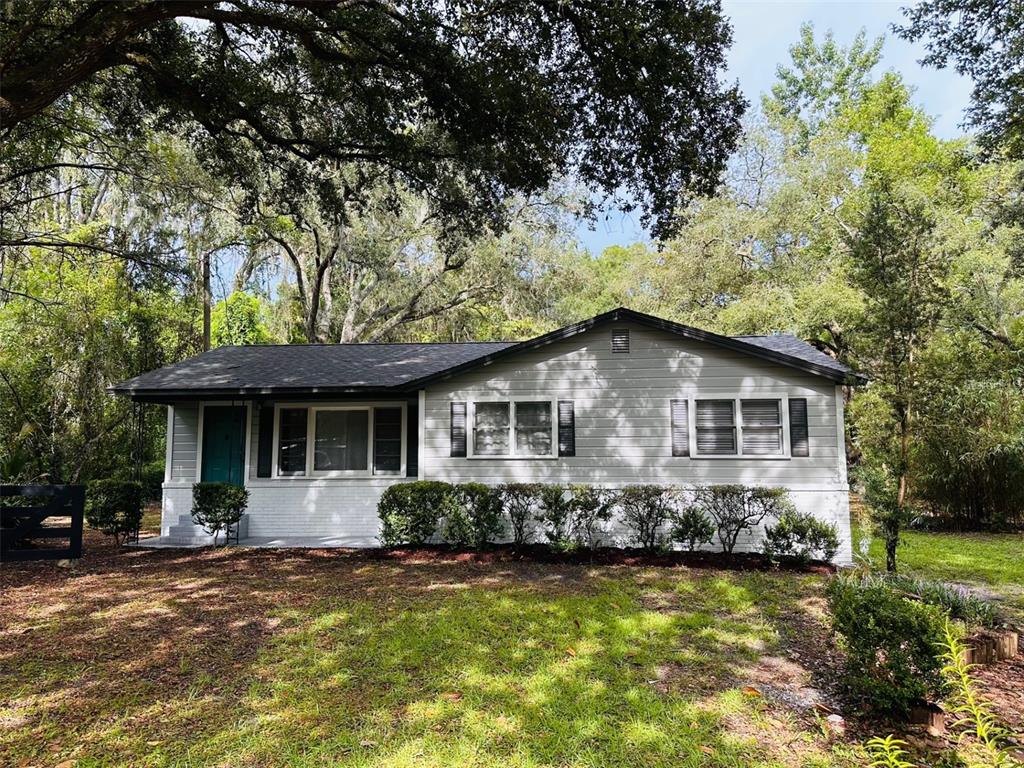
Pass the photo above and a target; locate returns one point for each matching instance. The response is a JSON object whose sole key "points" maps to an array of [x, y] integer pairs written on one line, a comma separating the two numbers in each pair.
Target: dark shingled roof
{"points": [[788, 344], [305, 368], [353, 368]]}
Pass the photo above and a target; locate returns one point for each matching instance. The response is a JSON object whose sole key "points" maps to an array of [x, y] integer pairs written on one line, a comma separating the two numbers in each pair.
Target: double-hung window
{"points": [[739, 427], [337, 441], [512, 428]]}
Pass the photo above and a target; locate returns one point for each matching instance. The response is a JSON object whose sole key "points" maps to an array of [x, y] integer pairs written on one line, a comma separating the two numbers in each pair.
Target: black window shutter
{"points": [[265, 445], [566, 428], [458, 428], [680, 428], [799, 442]]}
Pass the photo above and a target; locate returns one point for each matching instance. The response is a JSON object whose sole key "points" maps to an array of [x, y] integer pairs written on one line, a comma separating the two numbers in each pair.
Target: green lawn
{"points": [[991, 563], [307, 659]]}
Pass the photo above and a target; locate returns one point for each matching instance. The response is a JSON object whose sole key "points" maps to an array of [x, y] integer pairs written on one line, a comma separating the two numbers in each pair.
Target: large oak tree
{"points": [[468, 102]]}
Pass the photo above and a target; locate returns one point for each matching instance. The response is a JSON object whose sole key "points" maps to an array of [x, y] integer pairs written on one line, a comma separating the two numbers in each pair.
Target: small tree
{"points": [[555, 514], [476, 517], [591, 506], [692, 527], [114, 507], [739, 508], [218, 506], [645, 509], [889, 516], [519, 501]]}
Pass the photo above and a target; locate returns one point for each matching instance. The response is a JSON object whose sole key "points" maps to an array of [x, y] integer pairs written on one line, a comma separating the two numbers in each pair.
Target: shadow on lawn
{"points": [[257, 657]]}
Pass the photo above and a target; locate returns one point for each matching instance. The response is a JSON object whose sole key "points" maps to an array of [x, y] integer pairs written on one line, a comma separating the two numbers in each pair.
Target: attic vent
{"points": [[620, 340]]}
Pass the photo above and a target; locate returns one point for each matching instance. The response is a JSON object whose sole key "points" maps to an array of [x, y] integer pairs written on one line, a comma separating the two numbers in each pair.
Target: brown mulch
{"points": [[540, 553]]}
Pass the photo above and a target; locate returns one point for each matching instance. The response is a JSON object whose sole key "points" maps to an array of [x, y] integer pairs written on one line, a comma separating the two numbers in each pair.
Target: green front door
{"points": [[223, 444]]}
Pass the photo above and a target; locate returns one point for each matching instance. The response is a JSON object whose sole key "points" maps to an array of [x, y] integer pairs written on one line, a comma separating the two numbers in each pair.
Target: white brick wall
{"points": [[345, 510]]}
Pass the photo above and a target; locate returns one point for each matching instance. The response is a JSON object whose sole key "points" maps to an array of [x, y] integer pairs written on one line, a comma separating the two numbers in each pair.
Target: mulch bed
{"points": [[541, 553]]}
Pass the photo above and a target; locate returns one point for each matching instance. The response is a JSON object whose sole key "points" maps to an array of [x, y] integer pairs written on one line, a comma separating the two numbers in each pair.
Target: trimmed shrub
{"points": [[555, 513], [218, 506], [114, 507], [476, 518], [409, 512], [692, 527], [645, 509], [801, 536], [738, 508], [519, 500], [892, 645], [591, 506]]}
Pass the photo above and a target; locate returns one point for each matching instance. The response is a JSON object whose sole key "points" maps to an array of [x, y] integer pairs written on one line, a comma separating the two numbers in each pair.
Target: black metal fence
{"points": [[32, 516]]}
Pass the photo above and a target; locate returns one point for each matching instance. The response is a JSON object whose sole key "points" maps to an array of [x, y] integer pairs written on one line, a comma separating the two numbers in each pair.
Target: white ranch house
{"points": [[317, 432]]}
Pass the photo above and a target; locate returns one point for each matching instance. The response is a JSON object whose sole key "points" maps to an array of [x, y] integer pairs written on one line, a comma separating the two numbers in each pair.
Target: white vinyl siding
{"points": [[623, 421], [184, 442]]}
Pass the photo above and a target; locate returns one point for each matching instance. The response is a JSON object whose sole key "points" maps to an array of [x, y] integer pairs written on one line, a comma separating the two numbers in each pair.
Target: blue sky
{"points": [[763, 30]]}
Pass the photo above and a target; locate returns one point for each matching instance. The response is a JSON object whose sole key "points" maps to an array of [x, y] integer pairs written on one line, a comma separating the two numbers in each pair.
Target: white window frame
{"points": [[737, 422], [311, 410], [471, 428]]}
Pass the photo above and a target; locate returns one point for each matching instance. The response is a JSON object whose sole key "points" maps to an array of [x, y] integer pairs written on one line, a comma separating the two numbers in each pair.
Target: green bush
{"points": [[476, 517], [591, 506], [892, 645], [801, 536], [692, 527], [738, 508], [645, 510], [153, 481], [409, 512], [555, 512], [218, 506], [114, 507], [519, 501]]}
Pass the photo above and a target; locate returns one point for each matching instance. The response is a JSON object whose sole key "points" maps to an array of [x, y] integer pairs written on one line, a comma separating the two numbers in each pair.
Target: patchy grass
{"points": [[308, 658]]}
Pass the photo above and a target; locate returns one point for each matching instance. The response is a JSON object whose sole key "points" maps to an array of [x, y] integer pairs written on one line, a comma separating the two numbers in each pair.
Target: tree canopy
{"points": [[467, 103]]}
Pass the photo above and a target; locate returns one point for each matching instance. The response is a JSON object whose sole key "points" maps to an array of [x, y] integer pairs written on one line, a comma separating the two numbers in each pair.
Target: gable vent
{"points": [[620, 340]]}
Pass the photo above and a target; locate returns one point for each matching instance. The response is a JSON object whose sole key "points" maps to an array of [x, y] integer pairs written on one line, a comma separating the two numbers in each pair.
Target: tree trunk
{"points": [[207, 300]]}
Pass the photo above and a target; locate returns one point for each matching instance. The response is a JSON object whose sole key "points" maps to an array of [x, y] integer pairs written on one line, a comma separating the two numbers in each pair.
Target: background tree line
{"points": [[143, 217]]}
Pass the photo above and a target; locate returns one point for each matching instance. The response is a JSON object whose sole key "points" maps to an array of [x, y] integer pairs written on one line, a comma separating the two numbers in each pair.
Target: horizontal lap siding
{"points": [[184, 442], [622, 402]]}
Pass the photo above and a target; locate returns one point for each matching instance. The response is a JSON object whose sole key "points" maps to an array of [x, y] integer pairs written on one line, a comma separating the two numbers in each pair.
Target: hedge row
{"points": [[573, 516]]}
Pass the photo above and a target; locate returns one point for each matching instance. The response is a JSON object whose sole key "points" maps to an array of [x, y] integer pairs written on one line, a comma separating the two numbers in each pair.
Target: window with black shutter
{"points": [[458, 429], [566, 428], [265, 445], [680, 428], [799, 439]]}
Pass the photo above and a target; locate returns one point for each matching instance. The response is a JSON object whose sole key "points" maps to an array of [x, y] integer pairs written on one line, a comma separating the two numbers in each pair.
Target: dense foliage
{"points": [[801, 536], [114, 507], [645, 509], [411, 512], [476, 518], [218, 506], [893, 655]]}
